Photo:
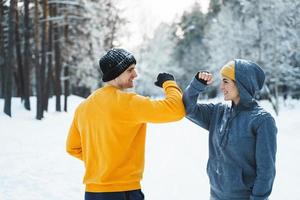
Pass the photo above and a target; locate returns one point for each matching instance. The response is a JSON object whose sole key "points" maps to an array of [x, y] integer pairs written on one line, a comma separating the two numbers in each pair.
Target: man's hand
{"points": [[205, 78], [163, 77]]}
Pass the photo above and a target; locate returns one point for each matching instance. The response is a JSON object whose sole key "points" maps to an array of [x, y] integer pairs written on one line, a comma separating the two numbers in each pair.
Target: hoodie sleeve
{"points": [[265, 159], [198, 113], [73, 145], [168, 109]]}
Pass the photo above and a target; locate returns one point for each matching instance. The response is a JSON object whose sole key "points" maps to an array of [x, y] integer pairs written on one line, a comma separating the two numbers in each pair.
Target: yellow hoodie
{"points": [[108, 134]]}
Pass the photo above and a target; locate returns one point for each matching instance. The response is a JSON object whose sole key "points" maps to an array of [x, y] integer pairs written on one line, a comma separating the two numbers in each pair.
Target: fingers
{"points": [[210, 81], [206, 76]]}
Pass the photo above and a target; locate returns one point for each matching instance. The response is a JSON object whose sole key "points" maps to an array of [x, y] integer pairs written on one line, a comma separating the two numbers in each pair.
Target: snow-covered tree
{"points": [[155, 57], [97, 32], [190, 53], [266, 32]]}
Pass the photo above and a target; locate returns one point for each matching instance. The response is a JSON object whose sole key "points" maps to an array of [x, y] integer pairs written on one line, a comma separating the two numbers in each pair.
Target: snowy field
{"points": [[35, 166]]}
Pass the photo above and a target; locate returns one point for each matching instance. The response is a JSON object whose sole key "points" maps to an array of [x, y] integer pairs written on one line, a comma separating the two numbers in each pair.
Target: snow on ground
{"points": [[35, 166]]}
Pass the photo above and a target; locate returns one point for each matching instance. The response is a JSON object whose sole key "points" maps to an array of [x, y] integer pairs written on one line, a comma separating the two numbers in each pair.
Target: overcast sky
{"points": [[145, 15]]}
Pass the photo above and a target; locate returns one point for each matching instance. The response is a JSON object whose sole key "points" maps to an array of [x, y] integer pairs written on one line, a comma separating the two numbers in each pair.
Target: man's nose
{"points": [[135, 73]]}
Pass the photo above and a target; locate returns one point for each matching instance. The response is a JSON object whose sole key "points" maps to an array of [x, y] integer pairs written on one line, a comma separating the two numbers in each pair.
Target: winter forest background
{"points": [[50, 48], [49, 52]]}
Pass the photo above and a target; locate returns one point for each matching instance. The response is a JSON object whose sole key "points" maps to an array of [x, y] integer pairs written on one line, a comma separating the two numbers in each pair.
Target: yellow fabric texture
{"points": [[108, 134], [228, 70]]}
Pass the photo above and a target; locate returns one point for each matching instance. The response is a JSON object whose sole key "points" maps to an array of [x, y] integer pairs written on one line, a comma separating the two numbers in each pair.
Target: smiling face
{"points": [[125, 80], [230, 90]]}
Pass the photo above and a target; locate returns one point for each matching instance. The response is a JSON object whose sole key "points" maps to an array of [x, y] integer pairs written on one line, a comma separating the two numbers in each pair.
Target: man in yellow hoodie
{"points": [[109, 128]]}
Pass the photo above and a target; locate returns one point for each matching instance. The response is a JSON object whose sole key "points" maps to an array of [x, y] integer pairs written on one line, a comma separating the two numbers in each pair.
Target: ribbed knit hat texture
{"points": [[115, 62], [228, 70]]}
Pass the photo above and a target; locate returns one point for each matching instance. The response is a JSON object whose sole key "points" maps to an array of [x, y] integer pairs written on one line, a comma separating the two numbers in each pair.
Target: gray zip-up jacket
{"points": [[242, 138]]}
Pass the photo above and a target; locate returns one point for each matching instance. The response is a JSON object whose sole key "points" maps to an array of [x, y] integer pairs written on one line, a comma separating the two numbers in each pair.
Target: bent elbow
{"points": [[189, 109], [179, 111]]}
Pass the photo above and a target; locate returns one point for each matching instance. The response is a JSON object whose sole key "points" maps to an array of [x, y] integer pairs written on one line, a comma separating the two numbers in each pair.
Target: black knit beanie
{"points": [[115, 62]]}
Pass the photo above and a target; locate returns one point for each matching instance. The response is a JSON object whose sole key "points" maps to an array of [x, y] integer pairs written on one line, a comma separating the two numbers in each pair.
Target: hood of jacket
{"points": [[249, 78]]}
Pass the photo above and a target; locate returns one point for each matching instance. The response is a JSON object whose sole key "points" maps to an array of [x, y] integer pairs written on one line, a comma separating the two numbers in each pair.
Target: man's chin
{"points": [[129, 86]]}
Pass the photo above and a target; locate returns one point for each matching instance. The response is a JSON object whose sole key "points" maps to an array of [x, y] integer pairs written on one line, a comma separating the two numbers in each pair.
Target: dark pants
{"points": [[126, 195]]}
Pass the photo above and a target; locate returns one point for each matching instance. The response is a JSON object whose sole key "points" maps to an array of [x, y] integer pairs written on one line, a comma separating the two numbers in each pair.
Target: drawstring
{"points": [[224, 130]]}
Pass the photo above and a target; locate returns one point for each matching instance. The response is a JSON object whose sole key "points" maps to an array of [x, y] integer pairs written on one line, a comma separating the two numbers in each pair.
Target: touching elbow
{"points": [[189, 107], [182, 113], [179, 111]]}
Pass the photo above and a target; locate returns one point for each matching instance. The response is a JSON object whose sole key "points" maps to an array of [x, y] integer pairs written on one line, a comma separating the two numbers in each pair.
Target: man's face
{"points": [[125, 80]]}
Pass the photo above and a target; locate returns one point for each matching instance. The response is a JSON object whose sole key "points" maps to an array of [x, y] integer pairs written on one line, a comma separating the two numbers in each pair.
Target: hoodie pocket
{"points": [[226, 177], [232, 178]]}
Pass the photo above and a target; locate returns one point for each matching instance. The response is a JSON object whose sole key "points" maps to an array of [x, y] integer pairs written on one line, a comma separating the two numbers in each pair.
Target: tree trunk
{"points": [[44, 52], [19, 71], [27, 56], [49, 81], [66, 73], [11, 58], [39, 105], [57, 54], [276, 106], [2, 52], [66, 84], [260, 33]]}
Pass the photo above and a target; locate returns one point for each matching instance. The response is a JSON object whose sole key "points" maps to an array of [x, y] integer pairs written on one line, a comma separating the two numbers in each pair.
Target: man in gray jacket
{"points": [[242, 137]]}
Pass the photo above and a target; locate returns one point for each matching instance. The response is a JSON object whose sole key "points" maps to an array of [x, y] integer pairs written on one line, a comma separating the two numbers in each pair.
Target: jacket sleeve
{"points": [[73, 145], [198, 113], [168, 109], [265, 159]]}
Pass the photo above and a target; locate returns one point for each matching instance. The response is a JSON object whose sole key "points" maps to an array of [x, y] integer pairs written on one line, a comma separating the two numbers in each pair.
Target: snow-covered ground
{"points": [[35, 166]]}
